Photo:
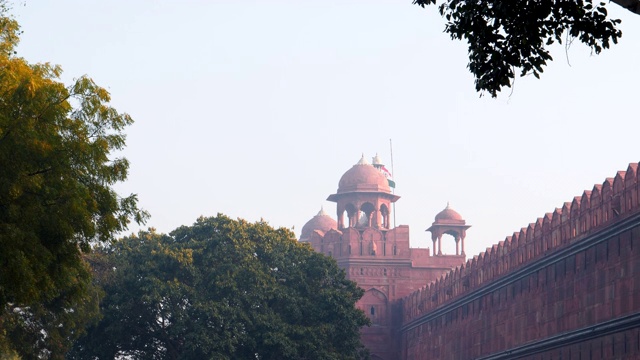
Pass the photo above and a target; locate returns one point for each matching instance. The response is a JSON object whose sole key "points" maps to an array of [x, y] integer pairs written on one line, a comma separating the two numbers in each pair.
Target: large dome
{"points": [[363, 177], [322, 222]]}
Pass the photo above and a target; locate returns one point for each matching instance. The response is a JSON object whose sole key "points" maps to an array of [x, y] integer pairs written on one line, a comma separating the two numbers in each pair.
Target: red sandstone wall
{"points": [[622, 345], [479, 309]]}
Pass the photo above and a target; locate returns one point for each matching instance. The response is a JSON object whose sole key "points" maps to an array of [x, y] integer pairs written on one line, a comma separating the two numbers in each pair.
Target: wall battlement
{"points": [[612, 201]]}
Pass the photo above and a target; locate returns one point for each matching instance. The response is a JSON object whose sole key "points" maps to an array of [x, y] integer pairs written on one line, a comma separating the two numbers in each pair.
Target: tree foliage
{"points": [[507, 35], [222, 289], [56, 198]]}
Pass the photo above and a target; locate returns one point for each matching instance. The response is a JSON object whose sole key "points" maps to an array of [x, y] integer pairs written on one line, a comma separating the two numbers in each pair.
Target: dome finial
{"points": [[322, 212], [376, 161], [448, 205], [362, 161]]}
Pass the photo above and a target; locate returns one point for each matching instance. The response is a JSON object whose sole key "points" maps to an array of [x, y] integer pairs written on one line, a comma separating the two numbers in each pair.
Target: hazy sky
{"points": [[255, 109]]}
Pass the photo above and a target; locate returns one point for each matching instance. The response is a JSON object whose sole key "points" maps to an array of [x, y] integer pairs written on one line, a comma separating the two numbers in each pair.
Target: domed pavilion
{"points": [[449, 222], [364, 196]]}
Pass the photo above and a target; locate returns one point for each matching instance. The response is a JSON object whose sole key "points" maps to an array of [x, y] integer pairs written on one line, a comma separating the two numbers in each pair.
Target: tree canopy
{"points": [[222, 289], [507, 35], [56, 198]]}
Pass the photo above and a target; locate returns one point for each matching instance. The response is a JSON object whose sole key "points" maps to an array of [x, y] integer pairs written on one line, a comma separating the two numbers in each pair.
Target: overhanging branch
{"points": [[631, 5]]}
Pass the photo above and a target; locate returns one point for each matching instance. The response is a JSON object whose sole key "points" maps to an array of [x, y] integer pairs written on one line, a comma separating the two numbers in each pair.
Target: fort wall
{"points": [[566, 286]]}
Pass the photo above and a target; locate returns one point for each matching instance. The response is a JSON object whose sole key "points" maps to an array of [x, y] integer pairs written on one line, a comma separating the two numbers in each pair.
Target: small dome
{"points": [[363, 177], [322, 222], [448, 215], [376, 160]]}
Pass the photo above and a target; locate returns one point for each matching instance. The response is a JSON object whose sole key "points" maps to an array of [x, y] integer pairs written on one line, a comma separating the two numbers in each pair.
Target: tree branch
{"points": [[631, 5], [42, 171]]}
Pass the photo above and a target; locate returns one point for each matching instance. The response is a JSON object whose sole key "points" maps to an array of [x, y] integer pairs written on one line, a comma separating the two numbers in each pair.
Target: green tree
{"points": [[223, 289], [56, 198], [507, 35]]}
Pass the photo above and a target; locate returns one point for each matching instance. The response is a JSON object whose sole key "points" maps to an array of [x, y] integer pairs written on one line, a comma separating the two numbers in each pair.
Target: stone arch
{"points": [[585, 211], [351, 211], [574, 215], [522, 240], [374, 303], [352, 243], [538, 237], [372, 238], [617, 200], [596, 206], [385, 214], [607, 196], [529, 241], [546, 231], [367, 211], [555, 227], [504, 256], [508, 241], [529, 232], [515, 248], [490, 258], [631, 181], [335, 237], [565, 223]]}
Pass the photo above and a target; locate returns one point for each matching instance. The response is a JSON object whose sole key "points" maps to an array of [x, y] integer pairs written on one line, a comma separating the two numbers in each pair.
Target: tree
{"points": [[223, 289], [56, 198], [508, 35]]}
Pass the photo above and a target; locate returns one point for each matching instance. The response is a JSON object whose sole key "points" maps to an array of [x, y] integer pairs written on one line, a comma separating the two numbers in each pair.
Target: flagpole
{"points": [[393, 189]]}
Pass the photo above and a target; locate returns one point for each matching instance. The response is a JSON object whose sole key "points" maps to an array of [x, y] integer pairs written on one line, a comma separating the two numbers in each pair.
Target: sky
{"points": [[255, 109]]}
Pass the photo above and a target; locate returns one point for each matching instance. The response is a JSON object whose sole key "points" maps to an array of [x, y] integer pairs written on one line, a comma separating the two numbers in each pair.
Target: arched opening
{"points": [[384, 245], [384, 212], [341, 217], [366, 219], [448, 243], [351, 215], [374, 303]]}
